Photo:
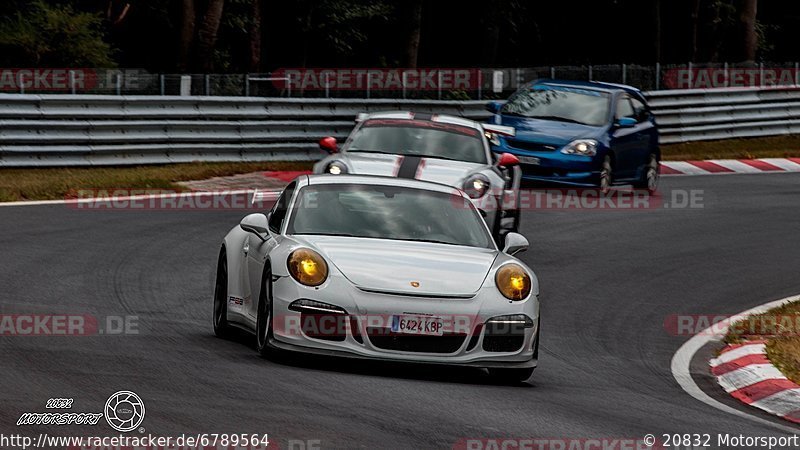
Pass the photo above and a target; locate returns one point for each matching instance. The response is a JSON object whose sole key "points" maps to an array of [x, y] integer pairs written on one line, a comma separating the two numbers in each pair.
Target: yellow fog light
{"points": [[307, 267], [513, 282]]}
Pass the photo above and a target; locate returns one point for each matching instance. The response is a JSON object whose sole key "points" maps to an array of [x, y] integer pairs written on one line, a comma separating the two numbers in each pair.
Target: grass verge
{"points": [[767, 147], [779, 327], [55, 183]]}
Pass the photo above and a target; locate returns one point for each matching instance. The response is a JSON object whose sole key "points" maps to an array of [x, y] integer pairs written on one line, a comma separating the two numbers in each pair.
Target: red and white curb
{"points": [[727, 166], [744, 371]]}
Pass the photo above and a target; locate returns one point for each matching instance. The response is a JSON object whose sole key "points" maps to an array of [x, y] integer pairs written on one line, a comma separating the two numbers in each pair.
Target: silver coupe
{"points": [[380, 268]]}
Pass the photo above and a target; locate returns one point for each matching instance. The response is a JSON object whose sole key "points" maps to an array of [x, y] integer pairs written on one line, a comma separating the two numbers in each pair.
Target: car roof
{"points": [[410, 115], [374, 180], [594, 85]]}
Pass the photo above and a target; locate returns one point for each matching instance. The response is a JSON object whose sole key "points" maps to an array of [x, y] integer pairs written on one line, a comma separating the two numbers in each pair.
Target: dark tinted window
{"points": [[624, 107], [280, 208], [640, 110]]}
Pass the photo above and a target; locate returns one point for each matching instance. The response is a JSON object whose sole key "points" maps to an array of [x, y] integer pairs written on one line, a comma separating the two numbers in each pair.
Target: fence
{"points": [[68, 130], [423, 83]]}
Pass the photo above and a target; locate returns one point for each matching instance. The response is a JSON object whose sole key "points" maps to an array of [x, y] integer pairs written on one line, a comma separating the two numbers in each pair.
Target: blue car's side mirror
{"points": [[494, 107], [626, 122]]}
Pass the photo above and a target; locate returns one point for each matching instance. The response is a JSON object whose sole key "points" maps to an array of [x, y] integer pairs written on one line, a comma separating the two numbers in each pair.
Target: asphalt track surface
{"points": [[609, 281]]}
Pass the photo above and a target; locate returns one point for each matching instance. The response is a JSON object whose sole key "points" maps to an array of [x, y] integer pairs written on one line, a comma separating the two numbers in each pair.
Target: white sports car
{"points": [[380, 268], [432, 147]]}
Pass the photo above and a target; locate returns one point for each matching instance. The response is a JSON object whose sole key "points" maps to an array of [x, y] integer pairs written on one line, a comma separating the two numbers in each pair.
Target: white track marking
{"points": [[682, 359], [748, 376], [685, 168], [782, 403], [736, 166], [783, 163], [262, 195], [745, 350]]}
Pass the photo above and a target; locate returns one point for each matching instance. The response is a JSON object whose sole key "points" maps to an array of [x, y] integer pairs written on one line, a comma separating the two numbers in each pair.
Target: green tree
{"points": [[44, 35]]}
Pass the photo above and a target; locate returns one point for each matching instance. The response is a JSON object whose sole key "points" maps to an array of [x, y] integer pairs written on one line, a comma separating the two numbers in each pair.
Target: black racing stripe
{"points": [[409, 166]]}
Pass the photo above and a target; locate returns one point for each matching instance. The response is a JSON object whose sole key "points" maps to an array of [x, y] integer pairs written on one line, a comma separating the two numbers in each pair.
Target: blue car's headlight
{"points": [[583, 147]]}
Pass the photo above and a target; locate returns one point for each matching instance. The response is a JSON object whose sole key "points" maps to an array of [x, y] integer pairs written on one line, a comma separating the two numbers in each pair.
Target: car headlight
{"points": [[583, 147], [307, 267], [336, 168], [513, 282], [476, 186]]}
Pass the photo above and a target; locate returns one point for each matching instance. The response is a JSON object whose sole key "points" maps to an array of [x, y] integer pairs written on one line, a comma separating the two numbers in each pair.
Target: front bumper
{"points": [[367, 336], [554, 166]]}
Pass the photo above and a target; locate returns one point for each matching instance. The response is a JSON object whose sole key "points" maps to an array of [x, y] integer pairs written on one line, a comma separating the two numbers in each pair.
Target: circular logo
{"points": [[124, 411]]}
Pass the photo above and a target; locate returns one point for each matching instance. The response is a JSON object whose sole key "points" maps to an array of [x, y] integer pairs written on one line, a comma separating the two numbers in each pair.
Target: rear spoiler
{"points": [[499, 129]]}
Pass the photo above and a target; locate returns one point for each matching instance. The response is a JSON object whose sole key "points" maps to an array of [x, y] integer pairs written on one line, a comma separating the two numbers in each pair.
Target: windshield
{"points": [[388, 212], [561, 104], [420, 138]]}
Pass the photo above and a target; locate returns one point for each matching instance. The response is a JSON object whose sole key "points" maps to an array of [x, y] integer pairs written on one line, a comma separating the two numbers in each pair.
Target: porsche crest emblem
{"points": [[415, 284]]}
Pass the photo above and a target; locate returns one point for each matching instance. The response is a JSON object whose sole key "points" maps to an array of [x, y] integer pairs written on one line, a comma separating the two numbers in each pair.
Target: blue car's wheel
{"points": [[649, 178], [606, 175]]}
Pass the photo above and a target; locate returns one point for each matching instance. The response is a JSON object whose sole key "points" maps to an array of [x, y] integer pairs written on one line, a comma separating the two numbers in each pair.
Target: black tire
{"points": [[511, 375], [264, 318], [606, 175], [650, 175], [220, 316]]}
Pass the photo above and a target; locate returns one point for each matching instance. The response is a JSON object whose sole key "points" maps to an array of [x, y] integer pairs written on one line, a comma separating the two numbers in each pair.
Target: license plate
{"points": [[529, 160], [424, 325]]}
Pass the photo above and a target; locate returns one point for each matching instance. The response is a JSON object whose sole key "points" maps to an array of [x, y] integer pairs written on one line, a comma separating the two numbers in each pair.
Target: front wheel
{"points": [[511, 375], [649, 178], [220, 317], [264, 318], [606, 175]]}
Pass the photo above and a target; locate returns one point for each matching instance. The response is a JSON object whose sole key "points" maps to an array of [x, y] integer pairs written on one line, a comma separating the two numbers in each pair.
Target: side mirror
{"points": [[329, 144], [626, 122], [507, 160], [256, 224], [515, 243], [494, 107]]}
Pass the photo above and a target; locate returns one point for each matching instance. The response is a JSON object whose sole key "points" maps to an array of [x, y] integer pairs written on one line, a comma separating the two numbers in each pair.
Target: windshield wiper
{"points": [[559, 119]]}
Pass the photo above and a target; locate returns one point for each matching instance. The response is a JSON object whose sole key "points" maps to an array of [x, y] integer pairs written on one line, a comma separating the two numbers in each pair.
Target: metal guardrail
{"points": [[69, 130]]}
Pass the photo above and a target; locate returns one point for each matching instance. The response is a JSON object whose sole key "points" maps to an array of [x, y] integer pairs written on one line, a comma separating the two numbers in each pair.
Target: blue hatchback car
{"points": [[580, 133]]}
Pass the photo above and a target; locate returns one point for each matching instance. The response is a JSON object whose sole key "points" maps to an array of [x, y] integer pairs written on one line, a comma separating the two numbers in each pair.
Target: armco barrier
{"points": [[65, 130]]}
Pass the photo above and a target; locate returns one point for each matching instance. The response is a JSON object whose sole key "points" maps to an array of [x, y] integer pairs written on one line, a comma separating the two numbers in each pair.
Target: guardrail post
{"points": [[552, 72], [480, 83], [439, 84], [119, 83], [72, 82], [591, 76], [658, 75], [796, 74], [207, 78], [691, 75], [327, 85], [761, 74], [246, 84], [727, 74], [161, 81], [404, 84], [624, 74]]}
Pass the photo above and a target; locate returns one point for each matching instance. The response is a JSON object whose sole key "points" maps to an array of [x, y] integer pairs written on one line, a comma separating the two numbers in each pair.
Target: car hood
{"points": [[549, 131], [443, 171], [391, 266]]}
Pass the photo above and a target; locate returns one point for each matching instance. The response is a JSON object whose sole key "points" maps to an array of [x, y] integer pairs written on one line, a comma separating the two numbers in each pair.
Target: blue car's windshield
{"points": [[581, 106]]}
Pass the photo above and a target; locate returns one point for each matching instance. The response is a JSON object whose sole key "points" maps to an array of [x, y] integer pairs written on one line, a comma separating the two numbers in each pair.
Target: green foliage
{"points": [[43, 35], [341, 23]]}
